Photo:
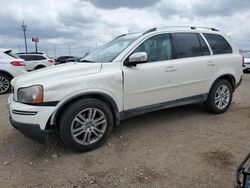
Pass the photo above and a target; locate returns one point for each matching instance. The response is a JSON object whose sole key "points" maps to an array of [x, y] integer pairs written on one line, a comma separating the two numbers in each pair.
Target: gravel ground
{"points": [[178, 147]]}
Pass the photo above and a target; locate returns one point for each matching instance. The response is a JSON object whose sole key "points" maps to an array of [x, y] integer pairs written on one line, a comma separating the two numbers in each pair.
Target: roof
{"points": [[171, 28], [28, 53]]}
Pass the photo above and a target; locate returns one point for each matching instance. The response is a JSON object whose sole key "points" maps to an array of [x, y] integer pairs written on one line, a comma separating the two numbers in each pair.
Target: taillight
{"points": [[17, 63], [51, 61], [243, 62]]}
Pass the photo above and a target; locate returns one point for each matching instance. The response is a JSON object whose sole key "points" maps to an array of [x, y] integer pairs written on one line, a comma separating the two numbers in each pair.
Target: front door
{"points": [[154, 81]]}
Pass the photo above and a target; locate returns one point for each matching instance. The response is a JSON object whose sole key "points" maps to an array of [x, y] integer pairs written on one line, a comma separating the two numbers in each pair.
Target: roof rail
{"points": [[150, 30], [210, 28], [120, 36], [190, 27]]}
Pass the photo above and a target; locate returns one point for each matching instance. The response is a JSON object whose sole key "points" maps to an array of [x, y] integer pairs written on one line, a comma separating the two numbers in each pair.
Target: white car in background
{"points": [[35, 61], [247, 62], [10, 67]]}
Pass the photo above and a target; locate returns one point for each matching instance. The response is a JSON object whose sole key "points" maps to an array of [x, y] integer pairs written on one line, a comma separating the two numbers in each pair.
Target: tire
{"points": [[216, 97], [39, 67], [4, 83], [75, 120]]}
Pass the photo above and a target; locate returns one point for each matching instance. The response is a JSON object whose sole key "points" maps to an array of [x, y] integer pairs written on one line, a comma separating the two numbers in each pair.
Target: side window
{"points": [[32, 57], [38, 57], [204, 48], [25, 57], [158, 48], [186, 45], [218, 44]]}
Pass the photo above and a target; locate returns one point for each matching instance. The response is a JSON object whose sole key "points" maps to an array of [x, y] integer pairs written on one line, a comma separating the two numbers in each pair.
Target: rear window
{"points": [[188, 45], [218, 44]]}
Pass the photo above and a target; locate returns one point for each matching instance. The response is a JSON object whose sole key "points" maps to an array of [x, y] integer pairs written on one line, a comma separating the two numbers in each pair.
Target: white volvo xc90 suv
{"points": [[131, 75]]}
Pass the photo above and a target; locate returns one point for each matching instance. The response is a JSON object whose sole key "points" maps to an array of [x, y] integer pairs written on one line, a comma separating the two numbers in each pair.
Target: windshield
{"points": [[110, 51]]}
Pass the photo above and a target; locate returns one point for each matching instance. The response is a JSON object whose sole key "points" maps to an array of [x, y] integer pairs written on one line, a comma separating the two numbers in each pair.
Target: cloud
{"points": [[220, 8], [113, 4], [85, 24]]}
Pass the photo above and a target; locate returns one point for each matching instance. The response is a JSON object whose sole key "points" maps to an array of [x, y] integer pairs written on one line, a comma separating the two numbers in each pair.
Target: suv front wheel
{"points": [[220, 97], [86, 124]]}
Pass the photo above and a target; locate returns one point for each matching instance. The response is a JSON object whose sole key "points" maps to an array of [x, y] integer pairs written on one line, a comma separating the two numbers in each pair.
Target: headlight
{"points": [[30, 95]]}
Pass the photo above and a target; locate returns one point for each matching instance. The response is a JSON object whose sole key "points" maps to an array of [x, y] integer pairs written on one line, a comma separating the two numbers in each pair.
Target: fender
{"points": [[7, 73], [228, 77], [100, 95]]}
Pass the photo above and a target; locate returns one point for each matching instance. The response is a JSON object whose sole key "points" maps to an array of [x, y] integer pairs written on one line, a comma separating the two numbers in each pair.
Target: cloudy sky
{"points": [[83, 25]]}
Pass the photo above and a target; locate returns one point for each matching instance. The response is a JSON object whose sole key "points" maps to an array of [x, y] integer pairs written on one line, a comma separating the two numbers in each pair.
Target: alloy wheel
{"points": [[222, 96], [88, 126]]}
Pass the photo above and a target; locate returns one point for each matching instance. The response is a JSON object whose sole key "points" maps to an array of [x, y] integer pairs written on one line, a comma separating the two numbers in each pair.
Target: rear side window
{"points": [[204, 48], [32, 57], [186, 45], [38, 57], [218, 44], [25, 57]]}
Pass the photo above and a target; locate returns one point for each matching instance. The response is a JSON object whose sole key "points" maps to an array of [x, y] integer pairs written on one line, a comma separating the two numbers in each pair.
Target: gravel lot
{"points": [[178, 147]]}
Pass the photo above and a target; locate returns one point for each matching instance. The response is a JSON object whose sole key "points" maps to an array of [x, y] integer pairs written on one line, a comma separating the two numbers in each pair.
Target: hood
{"points": [[56, 73]]}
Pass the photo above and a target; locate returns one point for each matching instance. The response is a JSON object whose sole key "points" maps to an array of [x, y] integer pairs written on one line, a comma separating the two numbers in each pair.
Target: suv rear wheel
{"points": [[4, 83], [86, 124], [220, 97], [39, 67]]}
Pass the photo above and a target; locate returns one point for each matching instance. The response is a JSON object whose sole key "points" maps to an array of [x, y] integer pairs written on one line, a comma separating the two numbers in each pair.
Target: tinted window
{"points": [[32, 57], [204, 48], [25, 57], [38, 57], [218, 44], [158, 48], [186, 45]]}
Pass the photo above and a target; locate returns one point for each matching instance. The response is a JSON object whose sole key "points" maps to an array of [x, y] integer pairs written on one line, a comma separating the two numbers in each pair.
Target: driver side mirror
{"points": [[136, 58]]}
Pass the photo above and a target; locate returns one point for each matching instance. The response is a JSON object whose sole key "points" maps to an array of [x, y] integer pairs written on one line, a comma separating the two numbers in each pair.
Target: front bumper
{"points": [[30, 120], [32, 131]]}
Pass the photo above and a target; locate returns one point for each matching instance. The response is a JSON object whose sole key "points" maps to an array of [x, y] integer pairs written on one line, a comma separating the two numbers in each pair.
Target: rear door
{"points": [[194, 63]]}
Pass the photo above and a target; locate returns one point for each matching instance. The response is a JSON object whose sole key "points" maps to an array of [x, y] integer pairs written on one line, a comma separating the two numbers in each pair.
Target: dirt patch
{"points": [[146, 175], [219, 159]]}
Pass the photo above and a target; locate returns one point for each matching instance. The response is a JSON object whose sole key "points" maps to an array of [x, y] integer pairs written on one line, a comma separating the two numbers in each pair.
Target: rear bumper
{"points": [[238, 84], [32, 131]]}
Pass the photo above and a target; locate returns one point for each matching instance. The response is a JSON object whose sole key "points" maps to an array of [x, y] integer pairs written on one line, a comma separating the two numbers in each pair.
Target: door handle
{"points": [[210, 63], [171, 69]]}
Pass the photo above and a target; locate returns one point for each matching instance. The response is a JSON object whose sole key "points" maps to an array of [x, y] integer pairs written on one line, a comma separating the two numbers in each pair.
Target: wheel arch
{"points": [[39, 66], [97, 95], [229, 77], [7, 73]]}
